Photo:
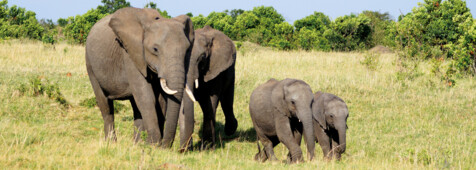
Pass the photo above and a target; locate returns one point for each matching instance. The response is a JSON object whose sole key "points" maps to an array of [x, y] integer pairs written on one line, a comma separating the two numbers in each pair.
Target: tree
{"points": [[350, 32], [235, 12], [153, 5], [199, 21], [317, 21], [380, 23], [62, 22], [111, 6], [78, 28]]}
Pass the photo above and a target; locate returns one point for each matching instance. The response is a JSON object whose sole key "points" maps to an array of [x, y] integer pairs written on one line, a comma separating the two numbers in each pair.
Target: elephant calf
{"points": [[281, 112], [330, 123]]}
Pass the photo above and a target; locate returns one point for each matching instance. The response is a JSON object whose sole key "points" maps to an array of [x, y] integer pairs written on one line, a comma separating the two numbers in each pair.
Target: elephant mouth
{"points": [[153, 69]]}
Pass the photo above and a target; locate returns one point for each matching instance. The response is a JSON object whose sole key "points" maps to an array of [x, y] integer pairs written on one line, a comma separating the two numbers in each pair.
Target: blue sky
{"points": [[290, 9]]}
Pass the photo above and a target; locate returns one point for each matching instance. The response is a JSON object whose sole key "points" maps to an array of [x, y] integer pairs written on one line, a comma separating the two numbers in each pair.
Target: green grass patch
{"points": [[402, 115]]}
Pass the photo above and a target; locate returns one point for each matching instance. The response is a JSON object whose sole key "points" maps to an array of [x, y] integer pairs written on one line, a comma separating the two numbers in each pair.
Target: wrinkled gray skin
{"points": [[330, 124], [127, 53], [212, 63], [281, 112]]}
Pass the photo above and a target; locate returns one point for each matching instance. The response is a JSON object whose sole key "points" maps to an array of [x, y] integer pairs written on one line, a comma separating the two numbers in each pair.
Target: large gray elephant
{"points": [[330, 123], [281, 112], [135, 54], [211, 75]]}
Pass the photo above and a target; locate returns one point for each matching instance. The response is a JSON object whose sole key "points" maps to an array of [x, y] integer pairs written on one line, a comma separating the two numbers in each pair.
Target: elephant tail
{"points": [[259, 148]]}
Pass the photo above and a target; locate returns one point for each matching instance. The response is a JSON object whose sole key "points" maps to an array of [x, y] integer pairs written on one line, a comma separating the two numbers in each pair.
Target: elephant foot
{"points": [[295, 159], [205, 145], [261, 157], [231, 126]]}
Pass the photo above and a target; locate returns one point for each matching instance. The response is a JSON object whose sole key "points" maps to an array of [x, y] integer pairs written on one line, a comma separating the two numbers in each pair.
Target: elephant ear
{"points": [[222, 53], [128, 24], [318, 108], [188, 30], [278, 96]]}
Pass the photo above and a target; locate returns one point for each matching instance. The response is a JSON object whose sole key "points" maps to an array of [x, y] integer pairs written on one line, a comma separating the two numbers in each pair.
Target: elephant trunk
{"points": [[186, 129], [341, 130], [175, 81], [308, 129], [188, 121]]}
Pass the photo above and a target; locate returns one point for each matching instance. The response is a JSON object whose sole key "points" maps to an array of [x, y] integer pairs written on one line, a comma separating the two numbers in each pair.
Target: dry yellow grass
{"points": [[396, 122]]}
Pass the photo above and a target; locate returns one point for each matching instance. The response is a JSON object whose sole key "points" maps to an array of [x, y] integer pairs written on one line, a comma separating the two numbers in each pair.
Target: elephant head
{"points": [[213, 52], [294, 98], [162, 45], [331, 113]]}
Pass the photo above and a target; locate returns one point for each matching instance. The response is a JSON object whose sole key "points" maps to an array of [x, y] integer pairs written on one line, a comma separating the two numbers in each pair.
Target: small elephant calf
{"points": [[330, 123], [281, 112]]}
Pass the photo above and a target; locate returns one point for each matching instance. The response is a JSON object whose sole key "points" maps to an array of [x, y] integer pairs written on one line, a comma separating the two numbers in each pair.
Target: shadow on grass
{"points": [[221, 139]]}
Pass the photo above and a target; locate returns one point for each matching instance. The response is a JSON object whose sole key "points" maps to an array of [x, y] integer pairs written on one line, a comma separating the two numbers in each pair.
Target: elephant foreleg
{"points": [[209, 106], [297, 133], [323, 139], [226, 100], [285, 136], [145, 100], [335, 146]]}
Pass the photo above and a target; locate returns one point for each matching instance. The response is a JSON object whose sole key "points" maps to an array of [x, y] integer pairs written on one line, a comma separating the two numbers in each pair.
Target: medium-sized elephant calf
{"points": [[330, 123], [281, 112]]}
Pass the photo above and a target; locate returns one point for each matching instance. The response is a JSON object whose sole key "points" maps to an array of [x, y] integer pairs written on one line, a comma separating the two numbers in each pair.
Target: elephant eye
{"points": [[293, 102], [331, 115], [156, 18], [155, 49]]}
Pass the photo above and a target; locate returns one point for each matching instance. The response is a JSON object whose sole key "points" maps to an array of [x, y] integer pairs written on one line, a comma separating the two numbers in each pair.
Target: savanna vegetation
{"points": [[413, 108], [401, 114]]}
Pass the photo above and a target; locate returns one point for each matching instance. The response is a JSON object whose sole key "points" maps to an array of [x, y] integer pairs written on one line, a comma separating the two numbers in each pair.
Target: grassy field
{"points": [[401, 116]]}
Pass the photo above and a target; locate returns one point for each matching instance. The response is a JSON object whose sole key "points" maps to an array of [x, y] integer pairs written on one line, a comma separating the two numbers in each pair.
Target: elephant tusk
{"points": [[166, 89], [196, 83], [189, 93], [299, 120]]}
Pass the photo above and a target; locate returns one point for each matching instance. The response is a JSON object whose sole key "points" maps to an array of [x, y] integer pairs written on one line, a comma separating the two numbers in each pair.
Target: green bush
{"points": [[38, 86], [437, 28], [371, 60]]}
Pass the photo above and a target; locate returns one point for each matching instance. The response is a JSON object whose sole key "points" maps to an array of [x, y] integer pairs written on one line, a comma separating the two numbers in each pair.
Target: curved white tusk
{"points": [[196, 83], [189, 93], [166, 89]]}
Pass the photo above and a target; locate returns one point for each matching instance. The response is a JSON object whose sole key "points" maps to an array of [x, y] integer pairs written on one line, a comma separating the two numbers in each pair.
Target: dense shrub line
{"points": [[434, 29]]}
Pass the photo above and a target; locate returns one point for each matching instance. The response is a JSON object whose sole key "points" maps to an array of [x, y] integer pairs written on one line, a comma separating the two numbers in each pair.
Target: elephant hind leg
{"points": [[261, 155], [107, 110], [226, 100], [268, 144], [106, 106]]}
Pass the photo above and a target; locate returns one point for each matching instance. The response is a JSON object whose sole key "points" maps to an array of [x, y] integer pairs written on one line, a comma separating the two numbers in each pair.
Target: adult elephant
{"points": [[212, 76], [330, 115], [135, 54]]}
